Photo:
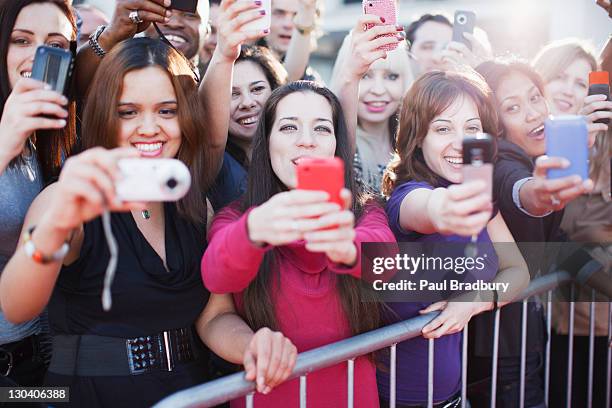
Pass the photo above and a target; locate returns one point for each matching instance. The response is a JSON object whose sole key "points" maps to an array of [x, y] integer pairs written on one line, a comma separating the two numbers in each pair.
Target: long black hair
{"points": [[52, 146], [363, 315]]}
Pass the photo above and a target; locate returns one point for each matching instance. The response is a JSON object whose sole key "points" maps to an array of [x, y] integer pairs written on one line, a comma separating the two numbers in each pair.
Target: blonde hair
{"points": [[558, 55]]}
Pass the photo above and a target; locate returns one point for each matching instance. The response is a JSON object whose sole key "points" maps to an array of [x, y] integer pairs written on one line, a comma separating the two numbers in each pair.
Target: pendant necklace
{"points": [[146, 214]]}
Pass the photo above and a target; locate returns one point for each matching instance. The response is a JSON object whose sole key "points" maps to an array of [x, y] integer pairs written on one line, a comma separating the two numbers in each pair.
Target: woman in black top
{"points": [[532, 206], [144, 100]]}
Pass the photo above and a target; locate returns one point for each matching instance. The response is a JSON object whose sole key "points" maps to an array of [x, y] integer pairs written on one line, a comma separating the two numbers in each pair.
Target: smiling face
{"points": [[429, 40], [148, 116], [183, 32], [522, 111], [250, 91], [380, 93], [566, 92], [37, 24], [298, 132], [442, 146]]}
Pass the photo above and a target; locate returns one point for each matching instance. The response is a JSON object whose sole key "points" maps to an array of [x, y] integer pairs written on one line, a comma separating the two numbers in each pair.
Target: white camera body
{"points": [[152, 180]]}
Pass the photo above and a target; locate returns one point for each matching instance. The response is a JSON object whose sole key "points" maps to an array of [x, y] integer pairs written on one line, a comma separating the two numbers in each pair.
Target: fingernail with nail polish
{"points": [[399, 28], [266, 31], [262, 12], [257, 2], [382, 19]]}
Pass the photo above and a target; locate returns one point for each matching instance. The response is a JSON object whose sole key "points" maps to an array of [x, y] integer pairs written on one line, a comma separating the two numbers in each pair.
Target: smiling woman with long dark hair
{"points": [[299, 264], [31, 152]]}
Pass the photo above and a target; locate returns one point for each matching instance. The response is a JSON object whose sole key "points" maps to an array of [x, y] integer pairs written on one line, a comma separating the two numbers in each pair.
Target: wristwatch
{"points": [[94, 44], [305, 30]]}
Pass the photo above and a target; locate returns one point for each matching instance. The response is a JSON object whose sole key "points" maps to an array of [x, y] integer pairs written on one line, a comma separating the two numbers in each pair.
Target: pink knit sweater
{"points": [[307, 305]]}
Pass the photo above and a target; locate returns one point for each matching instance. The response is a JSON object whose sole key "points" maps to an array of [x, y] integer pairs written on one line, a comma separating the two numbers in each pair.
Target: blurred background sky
{"points": [[517, 26]]}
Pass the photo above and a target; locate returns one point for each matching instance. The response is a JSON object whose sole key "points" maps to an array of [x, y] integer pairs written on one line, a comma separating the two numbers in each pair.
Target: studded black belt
{"points": [[91, 355]]}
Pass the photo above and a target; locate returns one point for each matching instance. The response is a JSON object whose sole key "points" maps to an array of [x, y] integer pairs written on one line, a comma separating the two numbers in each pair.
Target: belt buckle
{"points": [[9, 366], [141, 354], [167, 350]]}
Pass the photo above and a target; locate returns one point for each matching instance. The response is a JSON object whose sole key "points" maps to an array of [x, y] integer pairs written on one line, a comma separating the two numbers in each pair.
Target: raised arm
{"points": [[58, 214], [121, 28], [300, 46], [353, 63], [216, 87]]}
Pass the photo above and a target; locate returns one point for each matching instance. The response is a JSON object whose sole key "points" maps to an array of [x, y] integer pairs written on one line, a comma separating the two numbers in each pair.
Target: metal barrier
{"points": [[235, 386]]}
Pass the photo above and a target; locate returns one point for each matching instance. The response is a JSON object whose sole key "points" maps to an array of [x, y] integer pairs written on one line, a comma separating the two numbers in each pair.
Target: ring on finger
{"points": [[134, 17], [554, 200]]}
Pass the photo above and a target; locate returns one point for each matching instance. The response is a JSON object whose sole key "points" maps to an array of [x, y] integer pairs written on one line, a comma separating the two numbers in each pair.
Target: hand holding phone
{"points": [[599, 84], [567, 137], [464, 22], [146, 180], [386, 10], [53, 66]]}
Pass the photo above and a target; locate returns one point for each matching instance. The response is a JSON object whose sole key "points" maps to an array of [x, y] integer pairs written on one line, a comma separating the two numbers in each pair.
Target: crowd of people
{"points": [[247, 270]]}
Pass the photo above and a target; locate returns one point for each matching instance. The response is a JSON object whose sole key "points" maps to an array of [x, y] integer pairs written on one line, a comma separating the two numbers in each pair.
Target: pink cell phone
{"points": [[385, 9], [478, 160]]}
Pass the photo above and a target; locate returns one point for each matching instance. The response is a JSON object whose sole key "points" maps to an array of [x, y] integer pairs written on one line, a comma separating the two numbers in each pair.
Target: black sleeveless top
{"points": [[146, 298]]}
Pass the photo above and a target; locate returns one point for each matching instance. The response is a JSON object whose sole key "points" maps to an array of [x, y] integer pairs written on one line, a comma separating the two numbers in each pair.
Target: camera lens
{"points": [[171, 183], [461, 19]]}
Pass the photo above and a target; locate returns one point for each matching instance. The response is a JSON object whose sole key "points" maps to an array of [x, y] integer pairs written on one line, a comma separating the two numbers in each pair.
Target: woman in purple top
{"points": [[428, 203]]}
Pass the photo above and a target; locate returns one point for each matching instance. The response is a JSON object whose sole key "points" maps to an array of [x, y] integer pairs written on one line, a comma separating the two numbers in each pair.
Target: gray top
{"points": [[20, 183]]}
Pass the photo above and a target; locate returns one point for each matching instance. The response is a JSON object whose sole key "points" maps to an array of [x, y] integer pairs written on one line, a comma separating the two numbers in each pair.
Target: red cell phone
{"points": [[385, 9], [599, 84], [322, 174]]}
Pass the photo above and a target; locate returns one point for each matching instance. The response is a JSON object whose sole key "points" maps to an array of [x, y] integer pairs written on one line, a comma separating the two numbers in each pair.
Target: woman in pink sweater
{"points": [[291, 258]]}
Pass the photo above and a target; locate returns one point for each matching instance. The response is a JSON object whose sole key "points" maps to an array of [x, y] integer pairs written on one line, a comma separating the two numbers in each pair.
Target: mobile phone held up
{"points": [[599, 84], [152, 180], [53, 66], [567, 137], [189, 6], [464, 22], [384, 9], [322, 174], [478, 160]]}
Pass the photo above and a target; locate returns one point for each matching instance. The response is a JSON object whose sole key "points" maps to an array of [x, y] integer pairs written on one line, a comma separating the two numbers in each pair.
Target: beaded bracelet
{"points": [[37, 256]]}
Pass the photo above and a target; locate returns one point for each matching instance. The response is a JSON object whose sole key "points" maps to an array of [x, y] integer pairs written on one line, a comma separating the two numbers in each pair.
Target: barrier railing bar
{"points": [[430, 372], [351, 382], [591, 349], [302, 391], [494, 358], [234, 386], [547, 351], [464, 353], [570, 349], [609, 365], [523, 354], [392, 384], [250, 400]]}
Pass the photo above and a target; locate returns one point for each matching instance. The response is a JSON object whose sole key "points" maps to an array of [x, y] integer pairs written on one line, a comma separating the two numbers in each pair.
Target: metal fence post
{"points": [[548, 334], [570, 349], [494, 357], [609, 365], [523, 354], [464, 353], [351, 382], [250, 400], [430, 373], [302, 391], [392, 379], [591, 349]]}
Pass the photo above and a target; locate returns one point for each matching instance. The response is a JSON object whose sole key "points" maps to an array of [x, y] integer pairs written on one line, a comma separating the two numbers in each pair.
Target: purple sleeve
{"points": [[395, 203]]}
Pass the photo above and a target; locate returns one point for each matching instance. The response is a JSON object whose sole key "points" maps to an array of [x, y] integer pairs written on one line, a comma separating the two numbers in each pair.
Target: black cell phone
{"points": [[464, 22], [478, 160], [53, 66], [185, 5], [599, 84]]}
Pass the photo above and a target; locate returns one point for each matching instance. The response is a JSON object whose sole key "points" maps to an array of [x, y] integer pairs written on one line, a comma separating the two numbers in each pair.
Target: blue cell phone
{"points": [[567, 136]]}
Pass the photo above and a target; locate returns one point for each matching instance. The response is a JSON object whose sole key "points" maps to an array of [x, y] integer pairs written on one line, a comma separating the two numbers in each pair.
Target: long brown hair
{"points": [[429, 96], [359, 305], [101, 119], [52, 146]]}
